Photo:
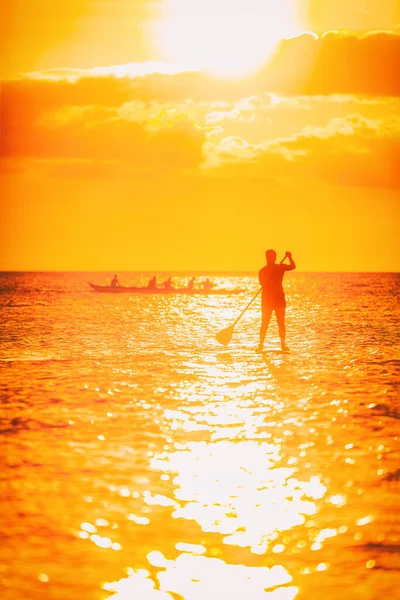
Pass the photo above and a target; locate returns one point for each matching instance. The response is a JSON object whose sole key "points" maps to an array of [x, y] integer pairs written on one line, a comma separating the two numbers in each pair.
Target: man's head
{"points": [[271, 256]]}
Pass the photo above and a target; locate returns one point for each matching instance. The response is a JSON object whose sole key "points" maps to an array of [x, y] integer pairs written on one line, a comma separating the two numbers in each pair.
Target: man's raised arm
{"points": [[292, 265]]}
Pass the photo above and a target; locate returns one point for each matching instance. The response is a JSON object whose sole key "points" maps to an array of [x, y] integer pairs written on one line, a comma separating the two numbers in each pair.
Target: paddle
{"points": [[225, 335]]}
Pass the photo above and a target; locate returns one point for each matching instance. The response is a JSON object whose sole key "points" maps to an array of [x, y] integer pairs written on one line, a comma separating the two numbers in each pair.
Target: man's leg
{"points": [[280, 317], [266, 316]]}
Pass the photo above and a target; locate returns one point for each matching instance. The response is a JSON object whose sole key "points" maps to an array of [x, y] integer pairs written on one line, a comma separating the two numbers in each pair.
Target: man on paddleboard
{"points": [[273, 296]]}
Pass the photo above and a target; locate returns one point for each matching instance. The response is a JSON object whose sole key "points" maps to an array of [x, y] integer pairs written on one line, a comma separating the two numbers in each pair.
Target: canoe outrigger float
{"points": [[108, 289]]}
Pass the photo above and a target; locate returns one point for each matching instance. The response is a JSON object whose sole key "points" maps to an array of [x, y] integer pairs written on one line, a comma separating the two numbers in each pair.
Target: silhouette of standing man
{"points": [[273, 296]]}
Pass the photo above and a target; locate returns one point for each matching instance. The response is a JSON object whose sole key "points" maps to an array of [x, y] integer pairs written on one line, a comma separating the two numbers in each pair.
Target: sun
{"points": [[226, 37]]}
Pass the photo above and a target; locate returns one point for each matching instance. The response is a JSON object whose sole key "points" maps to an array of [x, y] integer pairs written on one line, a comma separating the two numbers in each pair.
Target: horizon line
{"points": [[186, 272]]}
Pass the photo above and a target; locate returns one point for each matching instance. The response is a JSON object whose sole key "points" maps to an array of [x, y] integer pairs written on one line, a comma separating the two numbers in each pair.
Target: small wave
{"points": [[394, 362], [12, 305], [389, 548], [395, 476], [20, 424], [387, 411], [12, 359]]}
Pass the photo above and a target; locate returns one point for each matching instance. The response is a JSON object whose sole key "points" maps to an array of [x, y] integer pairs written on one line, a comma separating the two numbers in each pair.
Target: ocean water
{"points": [[142, 460]]}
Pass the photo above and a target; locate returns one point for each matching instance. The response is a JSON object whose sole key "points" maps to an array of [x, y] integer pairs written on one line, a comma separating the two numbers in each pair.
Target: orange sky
{"points": [[190, 171]]}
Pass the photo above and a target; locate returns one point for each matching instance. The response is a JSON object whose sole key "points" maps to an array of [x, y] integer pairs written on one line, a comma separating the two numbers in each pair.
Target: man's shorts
{"points": [[270, 302]]}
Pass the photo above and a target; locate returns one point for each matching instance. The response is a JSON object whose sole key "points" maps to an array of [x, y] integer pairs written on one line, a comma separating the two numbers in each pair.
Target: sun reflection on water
{"points": [[238, 483], [200, 577], [239, 490]]}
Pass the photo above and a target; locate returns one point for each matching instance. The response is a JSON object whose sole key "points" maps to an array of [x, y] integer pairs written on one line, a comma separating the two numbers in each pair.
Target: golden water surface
{"points": [[144, 461]]}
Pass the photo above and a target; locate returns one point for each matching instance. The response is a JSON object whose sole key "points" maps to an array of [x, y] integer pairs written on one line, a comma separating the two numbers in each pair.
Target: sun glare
{"points": [[225, 37]]}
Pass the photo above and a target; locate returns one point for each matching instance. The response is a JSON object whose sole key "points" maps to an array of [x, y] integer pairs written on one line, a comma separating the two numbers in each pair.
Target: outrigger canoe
{"points": [[107, 289]]}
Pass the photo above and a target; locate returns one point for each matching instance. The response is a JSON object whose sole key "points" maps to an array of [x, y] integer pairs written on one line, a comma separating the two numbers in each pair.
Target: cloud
{"points": [[337, 63], [103, 133], [125, 70], [334, 63], [191, 120], [103, 141], [220, 115], [348, 151]]}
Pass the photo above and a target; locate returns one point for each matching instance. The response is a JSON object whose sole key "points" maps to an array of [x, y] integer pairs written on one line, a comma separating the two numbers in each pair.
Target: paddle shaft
{"points": [[248, 306], [252, 300]]}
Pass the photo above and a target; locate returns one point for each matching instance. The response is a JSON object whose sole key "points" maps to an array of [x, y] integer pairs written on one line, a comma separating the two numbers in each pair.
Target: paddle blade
{"points": [[225, 336]]}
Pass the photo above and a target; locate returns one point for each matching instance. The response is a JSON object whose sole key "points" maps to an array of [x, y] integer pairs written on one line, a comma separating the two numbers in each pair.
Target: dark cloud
{"points": [[338, 63], [98, 133]]}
